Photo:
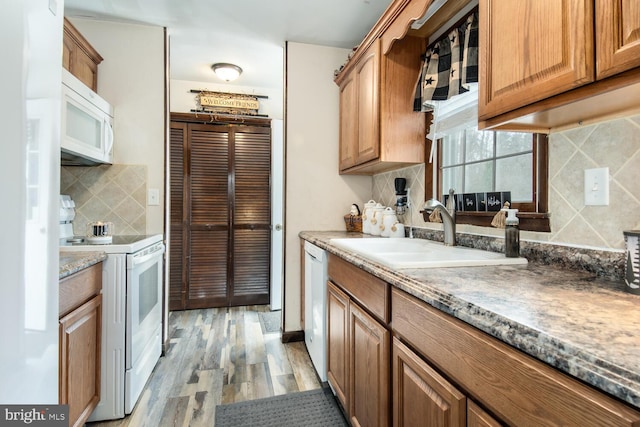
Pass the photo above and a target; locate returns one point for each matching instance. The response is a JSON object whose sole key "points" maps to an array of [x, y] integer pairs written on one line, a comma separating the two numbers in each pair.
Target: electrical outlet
{"points": [[153, 197], [596, 187]]}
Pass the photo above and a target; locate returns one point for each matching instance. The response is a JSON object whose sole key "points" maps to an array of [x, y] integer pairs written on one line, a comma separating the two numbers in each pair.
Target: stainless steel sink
{"points": [[420, 253]]}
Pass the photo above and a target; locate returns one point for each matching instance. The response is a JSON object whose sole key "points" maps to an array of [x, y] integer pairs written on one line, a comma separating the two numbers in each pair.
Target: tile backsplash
{"points": [[115, 193], [614, 144], [384, 192]]}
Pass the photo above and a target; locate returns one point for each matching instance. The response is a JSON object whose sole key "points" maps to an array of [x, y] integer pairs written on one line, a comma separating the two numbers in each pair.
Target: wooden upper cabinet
{"points": [[379, 130], [556, 64], [359, 111], [618, 36], [367, 74], [532, 50], [79, 57], [348, 116]]}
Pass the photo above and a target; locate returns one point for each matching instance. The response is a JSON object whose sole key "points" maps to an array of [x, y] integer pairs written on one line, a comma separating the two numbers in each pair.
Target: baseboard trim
{"points": [[292, 336]]}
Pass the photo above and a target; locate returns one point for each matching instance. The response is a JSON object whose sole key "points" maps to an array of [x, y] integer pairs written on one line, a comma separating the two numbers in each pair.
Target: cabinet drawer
{"points": [[365, 288], [79, 287], [516, 387]]}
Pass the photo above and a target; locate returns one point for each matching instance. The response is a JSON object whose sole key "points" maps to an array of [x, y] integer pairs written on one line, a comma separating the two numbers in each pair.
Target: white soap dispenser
{"points": [[512, 234]]}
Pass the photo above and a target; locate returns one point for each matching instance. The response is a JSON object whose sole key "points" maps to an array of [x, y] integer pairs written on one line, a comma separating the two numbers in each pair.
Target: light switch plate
{"points": [[596, 187], [153, 197]]}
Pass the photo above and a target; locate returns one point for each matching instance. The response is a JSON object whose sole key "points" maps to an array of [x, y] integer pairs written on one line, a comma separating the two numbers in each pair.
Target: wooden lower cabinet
{"points": [[369, 343], [395, 360], [80, 343], [358, 360], [478, 417], [517, 388], [422, 397], [337, 342]]}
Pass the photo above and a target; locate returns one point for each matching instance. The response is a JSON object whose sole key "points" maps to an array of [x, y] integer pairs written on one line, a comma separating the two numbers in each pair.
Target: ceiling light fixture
{"points": [[226, 72]]}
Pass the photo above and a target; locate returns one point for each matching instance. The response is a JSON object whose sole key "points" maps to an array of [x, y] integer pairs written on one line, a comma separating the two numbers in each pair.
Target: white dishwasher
{"points": [[315, 306]]}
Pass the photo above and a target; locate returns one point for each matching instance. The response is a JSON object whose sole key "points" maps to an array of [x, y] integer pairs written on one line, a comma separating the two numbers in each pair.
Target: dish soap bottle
{"points": [[512, 234]]}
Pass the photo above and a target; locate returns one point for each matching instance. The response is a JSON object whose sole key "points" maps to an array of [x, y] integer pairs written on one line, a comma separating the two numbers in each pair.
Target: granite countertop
{"points": [[72, 262], [577, 322]]}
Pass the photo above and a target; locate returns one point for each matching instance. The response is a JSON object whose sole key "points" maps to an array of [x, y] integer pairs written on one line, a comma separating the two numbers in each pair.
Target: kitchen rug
{"points": [[313, 408], [269, 321]]}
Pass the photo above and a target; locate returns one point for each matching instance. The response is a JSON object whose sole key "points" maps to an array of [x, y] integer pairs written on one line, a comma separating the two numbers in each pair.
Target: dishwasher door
{"points": [[315, 307]]}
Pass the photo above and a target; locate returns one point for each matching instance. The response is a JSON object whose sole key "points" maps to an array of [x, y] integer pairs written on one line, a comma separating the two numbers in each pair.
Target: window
{"points": [[485, 161], [472, 161]]}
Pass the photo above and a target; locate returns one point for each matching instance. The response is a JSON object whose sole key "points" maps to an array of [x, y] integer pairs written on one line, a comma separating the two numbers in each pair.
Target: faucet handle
{"points": [[451, 202]]}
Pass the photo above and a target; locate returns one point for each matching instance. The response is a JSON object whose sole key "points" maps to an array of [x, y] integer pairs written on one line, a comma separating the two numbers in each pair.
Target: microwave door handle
{"points": [[109, 131]]}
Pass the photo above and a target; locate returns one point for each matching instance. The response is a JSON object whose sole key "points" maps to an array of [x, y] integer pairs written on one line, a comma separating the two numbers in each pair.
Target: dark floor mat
{"points": [[314, 408]]}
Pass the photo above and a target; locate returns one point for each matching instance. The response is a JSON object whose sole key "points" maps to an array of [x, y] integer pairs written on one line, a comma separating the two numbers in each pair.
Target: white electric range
{"points": [[132, 280]]}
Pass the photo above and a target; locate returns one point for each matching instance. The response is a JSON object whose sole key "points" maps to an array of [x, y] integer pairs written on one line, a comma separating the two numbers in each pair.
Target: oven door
{"points": [[144, 300]]}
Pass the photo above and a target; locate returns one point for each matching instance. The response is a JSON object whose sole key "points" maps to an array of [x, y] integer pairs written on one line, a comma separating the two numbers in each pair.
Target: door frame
{"points": [[277, 214]]}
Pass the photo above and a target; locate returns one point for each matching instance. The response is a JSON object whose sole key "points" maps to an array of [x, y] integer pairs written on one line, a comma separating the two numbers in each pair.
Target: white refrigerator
{"points": [[31, 51]]}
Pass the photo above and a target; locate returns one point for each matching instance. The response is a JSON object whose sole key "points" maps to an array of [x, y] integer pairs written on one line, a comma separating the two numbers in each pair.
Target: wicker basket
{"points": [[353, 222]]}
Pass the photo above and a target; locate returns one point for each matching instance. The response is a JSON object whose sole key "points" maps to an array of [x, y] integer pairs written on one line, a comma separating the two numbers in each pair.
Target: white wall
{"points": [[131, 78], [183, 101], [317, 198]]}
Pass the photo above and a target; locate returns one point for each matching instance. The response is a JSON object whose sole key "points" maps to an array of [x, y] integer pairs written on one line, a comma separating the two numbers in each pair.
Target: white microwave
{"points": [[87, 124]]}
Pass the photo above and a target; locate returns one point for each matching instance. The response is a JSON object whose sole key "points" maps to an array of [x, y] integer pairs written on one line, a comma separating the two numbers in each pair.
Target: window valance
{"points": [[449, 66]]}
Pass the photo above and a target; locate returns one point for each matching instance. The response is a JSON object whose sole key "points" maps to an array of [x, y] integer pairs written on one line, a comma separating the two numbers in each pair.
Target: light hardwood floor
{"points": [[217, 356]]}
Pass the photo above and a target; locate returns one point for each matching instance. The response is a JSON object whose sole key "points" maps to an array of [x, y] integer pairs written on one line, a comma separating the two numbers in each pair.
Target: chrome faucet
{"points": [[448, 214]]}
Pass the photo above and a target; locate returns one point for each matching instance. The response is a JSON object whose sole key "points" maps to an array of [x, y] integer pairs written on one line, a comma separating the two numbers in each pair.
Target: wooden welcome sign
{"points": [[228, 103]]}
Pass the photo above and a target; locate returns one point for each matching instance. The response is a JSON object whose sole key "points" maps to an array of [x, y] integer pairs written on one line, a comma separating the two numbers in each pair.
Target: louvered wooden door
{"points": [[221, 175]]}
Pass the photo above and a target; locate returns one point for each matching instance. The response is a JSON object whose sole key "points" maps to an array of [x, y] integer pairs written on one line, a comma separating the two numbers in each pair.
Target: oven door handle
{"points": [[137, 260]]}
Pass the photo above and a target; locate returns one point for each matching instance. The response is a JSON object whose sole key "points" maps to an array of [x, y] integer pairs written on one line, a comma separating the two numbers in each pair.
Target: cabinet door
{"points": [[337, 338], [79, 57], [421, 397], [83, 67], [80, 343], [368, 108], [531, 50], [617, 36], [369, 364], [348, 120], [477, 417], [68, 47]]}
